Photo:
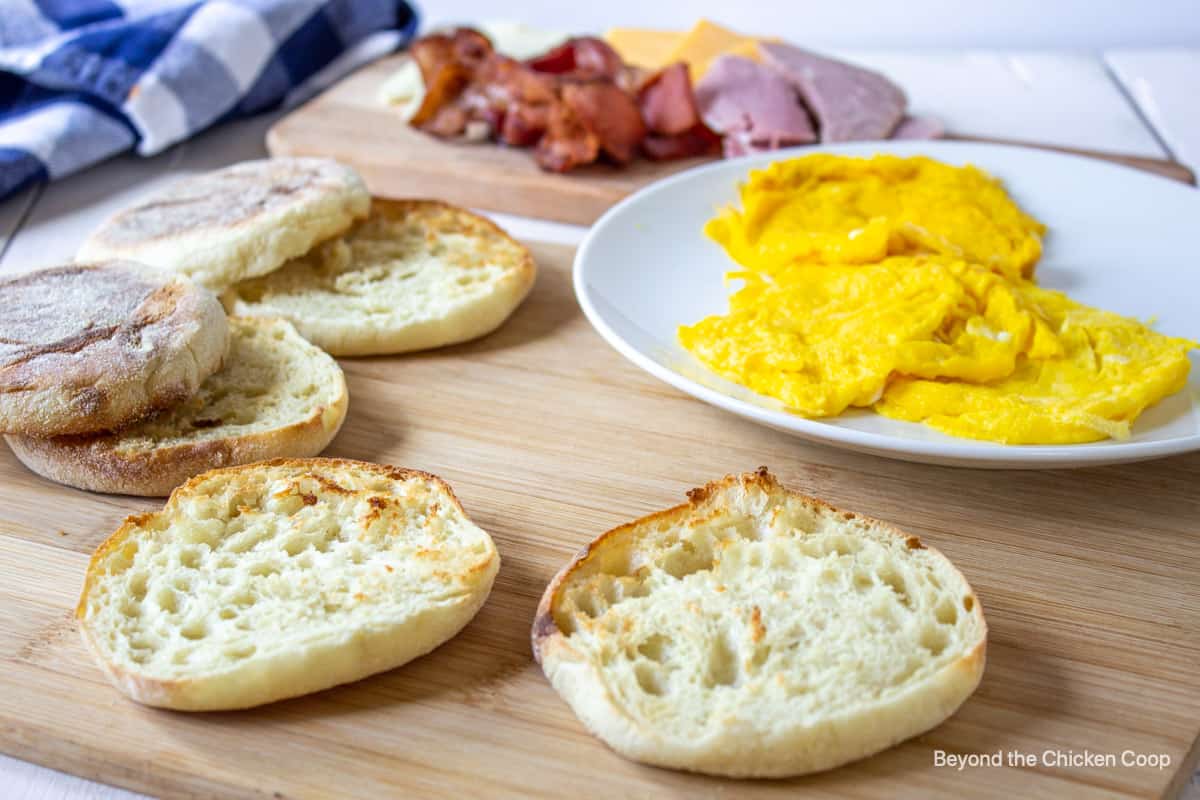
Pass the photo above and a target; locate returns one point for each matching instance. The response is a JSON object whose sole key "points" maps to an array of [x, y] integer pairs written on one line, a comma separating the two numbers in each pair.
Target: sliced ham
{"points": [[850, 103], [753, 105], [919, 128], [742, 143]]}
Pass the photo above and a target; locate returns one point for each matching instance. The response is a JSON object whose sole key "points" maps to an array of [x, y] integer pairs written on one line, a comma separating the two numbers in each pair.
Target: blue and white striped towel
{"points": [[82, 80]]}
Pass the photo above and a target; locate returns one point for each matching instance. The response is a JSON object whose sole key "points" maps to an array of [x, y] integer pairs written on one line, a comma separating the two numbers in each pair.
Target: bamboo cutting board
{"points": [[348, 123], [1088, 580]]}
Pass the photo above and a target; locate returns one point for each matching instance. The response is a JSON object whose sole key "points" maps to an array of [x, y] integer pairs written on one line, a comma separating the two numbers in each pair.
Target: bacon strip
{"points": [[583, 58], [667, 101], [676, 129], [573, 104], [696, 141], [567, 143], [448, 63], [610, 115]]}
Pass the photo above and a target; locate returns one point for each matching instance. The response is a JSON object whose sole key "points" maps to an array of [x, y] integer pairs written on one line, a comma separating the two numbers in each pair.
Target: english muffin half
{"points": [[235, 223], [416, 274], [93, 347], [278, 396], [756, 632], [273, 580]]}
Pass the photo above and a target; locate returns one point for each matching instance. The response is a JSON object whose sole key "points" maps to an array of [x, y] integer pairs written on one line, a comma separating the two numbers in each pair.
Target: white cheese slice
{"points": [[404, 89]]}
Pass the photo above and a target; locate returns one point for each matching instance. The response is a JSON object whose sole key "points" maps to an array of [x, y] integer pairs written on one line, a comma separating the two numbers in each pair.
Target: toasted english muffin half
{"points": [[416, 274], [92, 347], [272, 580], [756, 632], [277, 396], [235, 223]]}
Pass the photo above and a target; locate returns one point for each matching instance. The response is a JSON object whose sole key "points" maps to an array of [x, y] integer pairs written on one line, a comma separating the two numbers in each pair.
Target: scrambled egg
{"points": [[822, 338], [834, 209], [1108, 369], [903, 285]]}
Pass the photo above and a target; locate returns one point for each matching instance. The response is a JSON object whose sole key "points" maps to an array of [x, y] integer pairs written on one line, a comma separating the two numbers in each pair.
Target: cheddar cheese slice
{"points": [[706, 41], [644, 48]]}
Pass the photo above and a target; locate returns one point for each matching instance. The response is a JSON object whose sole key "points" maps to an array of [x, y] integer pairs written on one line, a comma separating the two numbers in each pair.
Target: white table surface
{"points": [[1165, 85], [1135, 102]]}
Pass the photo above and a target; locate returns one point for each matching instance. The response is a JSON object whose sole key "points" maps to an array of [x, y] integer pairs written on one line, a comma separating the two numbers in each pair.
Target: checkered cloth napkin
{"points": [[81, 80]]}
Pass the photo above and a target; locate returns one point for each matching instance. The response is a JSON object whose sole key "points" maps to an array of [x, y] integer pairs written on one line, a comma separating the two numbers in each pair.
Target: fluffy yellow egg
{"points": [[1109, 370], [822, 338], [842, 210], [905, 285]]}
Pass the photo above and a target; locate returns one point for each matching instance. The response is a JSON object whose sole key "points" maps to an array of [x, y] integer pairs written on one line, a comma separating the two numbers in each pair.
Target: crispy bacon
{"points": [[572, 104], [697, 141], [446, 121], [667, 102], [610, 115], [631, 78], [447, 63], [513, 81], [556, 61], [431, 54], [567, 143], [463, 47], [669, 107], [470, 46], [584, 58], [525, 124], [520, 98], [440, 92]]}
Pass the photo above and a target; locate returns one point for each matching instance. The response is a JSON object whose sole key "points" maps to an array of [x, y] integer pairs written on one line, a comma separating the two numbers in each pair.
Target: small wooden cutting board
{"points": [[348, 123], [1087, 578]]}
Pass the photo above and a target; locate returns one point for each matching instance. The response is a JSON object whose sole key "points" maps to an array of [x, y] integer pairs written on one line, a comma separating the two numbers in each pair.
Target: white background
{"points": [[1075, 24]]}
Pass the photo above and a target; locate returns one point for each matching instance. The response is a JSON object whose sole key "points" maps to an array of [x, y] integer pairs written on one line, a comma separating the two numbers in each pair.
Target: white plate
{"points": [[1119, 239]]}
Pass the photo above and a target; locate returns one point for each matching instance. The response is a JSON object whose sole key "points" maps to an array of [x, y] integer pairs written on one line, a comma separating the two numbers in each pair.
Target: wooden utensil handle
{"points": [[1168, 169]]}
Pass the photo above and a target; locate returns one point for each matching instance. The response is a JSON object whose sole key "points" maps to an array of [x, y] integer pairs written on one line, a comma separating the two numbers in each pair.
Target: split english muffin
{"points": [[301, 238], [269, 581], [235, 223], [416, 274], [93, 347], [277, 396], [756, 632]]}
